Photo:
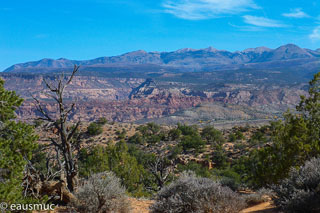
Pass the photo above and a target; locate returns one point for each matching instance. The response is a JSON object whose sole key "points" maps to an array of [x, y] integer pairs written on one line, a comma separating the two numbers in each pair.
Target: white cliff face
{"points": [[82, 87]]}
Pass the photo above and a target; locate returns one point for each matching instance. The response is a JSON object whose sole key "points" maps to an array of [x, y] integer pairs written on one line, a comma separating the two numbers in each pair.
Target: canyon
{"points": [[195, 86], [134, 99]]}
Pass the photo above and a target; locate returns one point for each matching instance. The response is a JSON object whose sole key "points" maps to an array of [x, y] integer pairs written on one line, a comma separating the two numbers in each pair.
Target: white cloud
{"points": [[296, 13], [315, 35], [205, 9], [262, 22], [247, 28]]}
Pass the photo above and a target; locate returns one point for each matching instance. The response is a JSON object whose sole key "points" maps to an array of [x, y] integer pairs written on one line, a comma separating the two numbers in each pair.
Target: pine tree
{"points": [[17, 141]]}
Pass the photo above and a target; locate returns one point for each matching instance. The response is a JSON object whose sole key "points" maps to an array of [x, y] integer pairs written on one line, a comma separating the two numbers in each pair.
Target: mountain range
{"points": [[288, 56], [186, 85]]}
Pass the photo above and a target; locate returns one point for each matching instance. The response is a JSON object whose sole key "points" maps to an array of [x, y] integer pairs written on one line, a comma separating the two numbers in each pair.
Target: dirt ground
{"points": [[142, 206], [266, 207]]}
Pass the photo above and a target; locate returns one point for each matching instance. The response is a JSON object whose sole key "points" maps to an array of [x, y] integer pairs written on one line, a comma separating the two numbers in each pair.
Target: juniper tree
{"points": [[295, 140]]}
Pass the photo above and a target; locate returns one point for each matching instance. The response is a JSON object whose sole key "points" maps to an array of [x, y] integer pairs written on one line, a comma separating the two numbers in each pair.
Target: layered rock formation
{"points": [[128, 99]]}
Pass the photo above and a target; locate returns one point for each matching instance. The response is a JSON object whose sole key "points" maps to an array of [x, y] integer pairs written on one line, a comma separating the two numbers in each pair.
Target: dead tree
{"points": [[63, 144], [161, 168]]}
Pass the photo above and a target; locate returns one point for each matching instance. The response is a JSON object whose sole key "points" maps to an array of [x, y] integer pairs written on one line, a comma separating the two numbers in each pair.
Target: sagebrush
{"points": [[101, 193], [192, 194], [300, 192]]}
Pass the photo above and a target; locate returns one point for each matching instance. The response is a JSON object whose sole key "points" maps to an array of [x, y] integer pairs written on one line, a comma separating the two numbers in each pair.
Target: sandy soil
{"points": [[142, 206], [266, 207]]}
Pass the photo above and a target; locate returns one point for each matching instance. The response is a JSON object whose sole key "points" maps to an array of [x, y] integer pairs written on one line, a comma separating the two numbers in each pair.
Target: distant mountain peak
{"points": [[134, 53], [257, 50], [289, 47], [210, 49], [184, 50], [47, 59], [138, 52]]}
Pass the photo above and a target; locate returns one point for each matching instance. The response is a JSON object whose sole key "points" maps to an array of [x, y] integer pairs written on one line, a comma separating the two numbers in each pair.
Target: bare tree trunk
{"points": [[63, 144], [161, 170]]}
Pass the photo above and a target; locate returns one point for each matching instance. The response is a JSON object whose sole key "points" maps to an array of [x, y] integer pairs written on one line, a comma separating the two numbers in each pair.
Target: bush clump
{"points": [[192, 142], [192, 194], [102, 192], [102, 121], [212, 135], [300, 192], [94, 129]]}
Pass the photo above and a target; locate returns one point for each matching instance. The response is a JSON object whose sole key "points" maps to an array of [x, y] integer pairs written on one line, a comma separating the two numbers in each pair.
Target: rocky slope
{"points": [[85, 88]]}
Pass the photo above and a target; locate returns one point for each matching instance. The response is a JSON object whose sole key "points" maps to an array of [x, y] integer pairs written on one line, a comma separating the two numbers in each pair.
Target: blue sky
{"points": [[85, 29]]}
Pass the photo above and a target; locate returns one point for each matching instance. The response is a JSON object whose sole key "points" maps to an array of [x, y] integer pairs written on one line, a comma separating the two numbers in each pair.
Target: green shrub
{"points": [[188, 130], [192, 142], [228, 177], [239, 135], [149, 129], [114, 158], [102, 121], [198, 169], [175, 151], [136, 139], [154, 139], [219, 157], [122, 134], [150, 133], [174, 134], [240, 146], [94, 129], [212, 135], [93, 161], [258, 138], [232, 137]]}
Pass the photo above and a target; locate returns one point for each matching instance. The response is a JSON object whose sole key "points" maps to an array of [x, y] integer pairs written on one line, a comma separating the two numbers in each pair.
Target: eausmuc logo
{"points": [[25, 207]]}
